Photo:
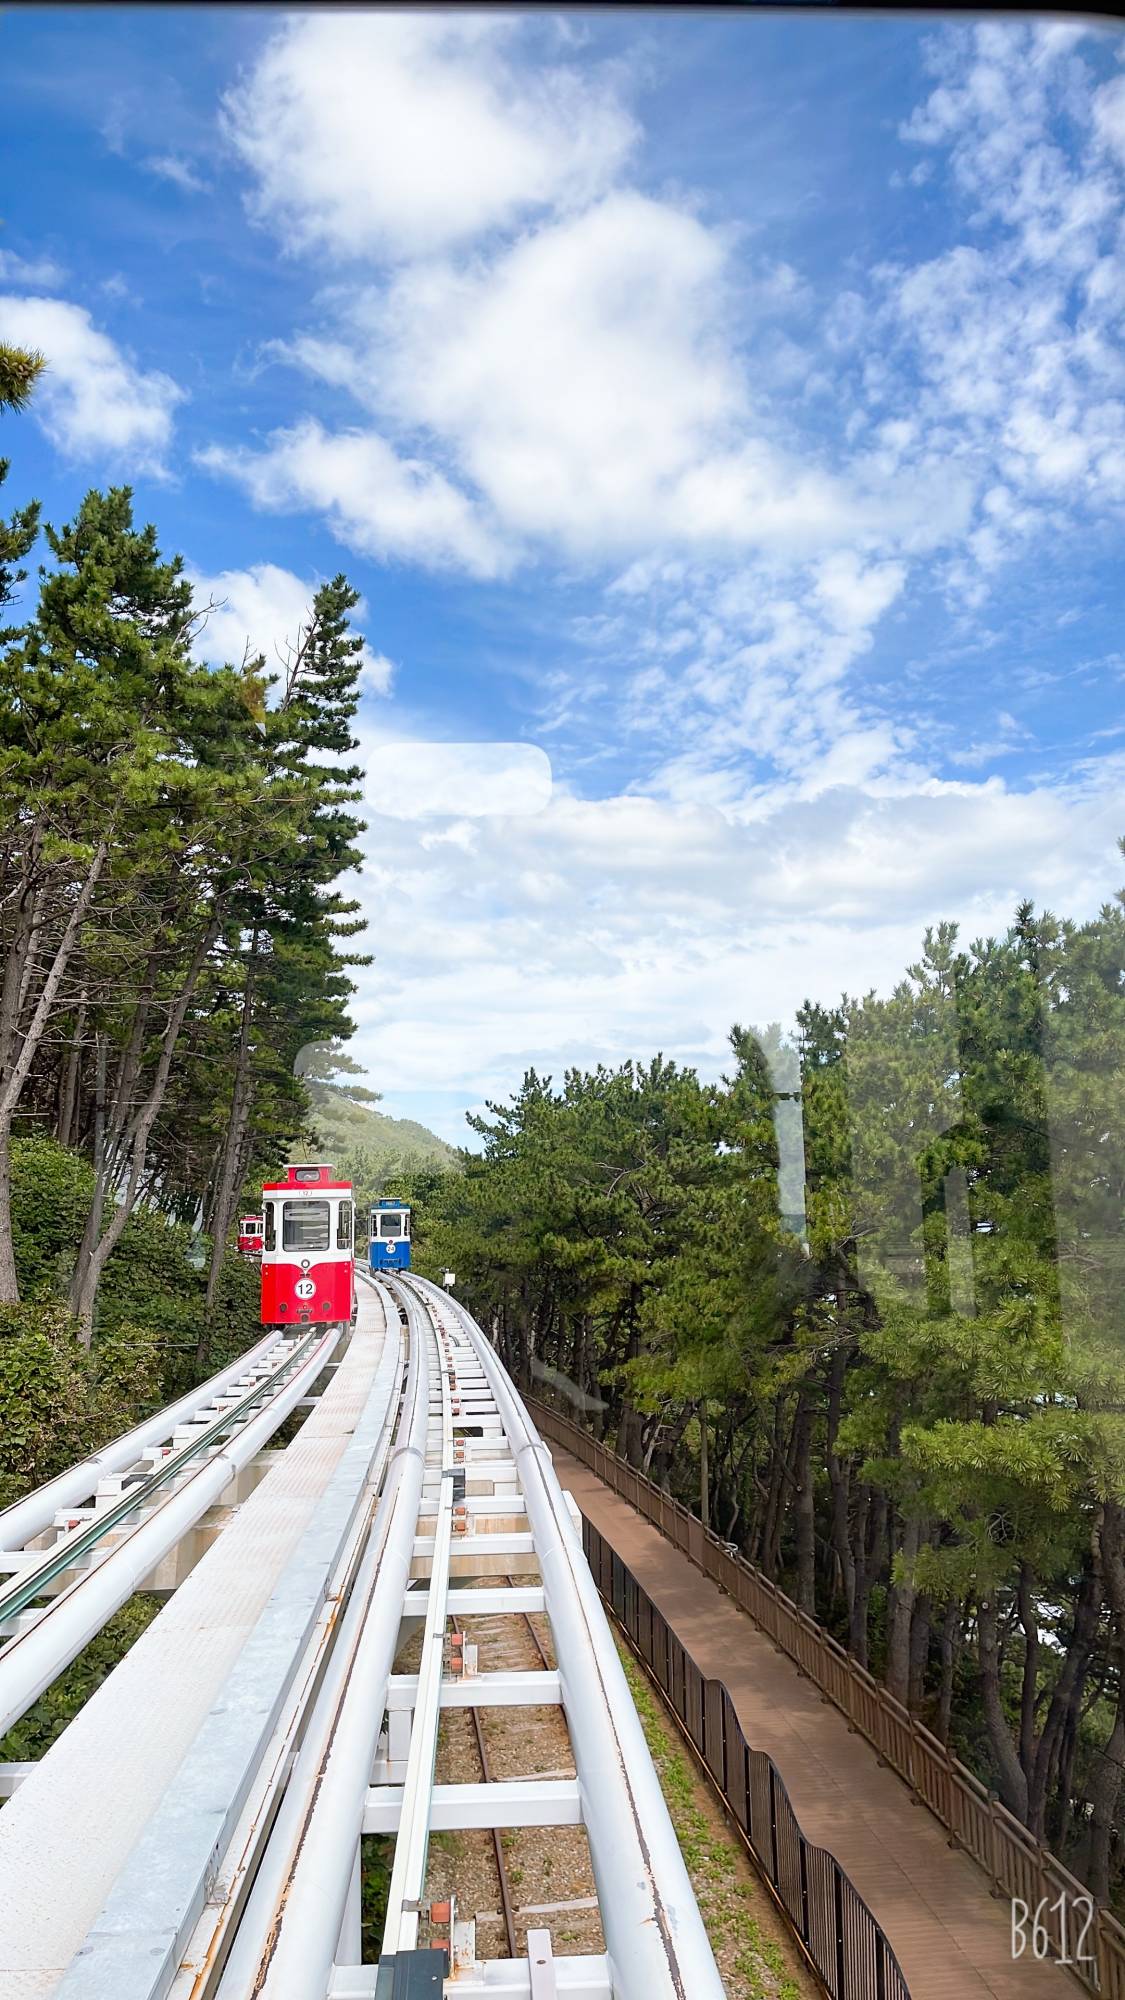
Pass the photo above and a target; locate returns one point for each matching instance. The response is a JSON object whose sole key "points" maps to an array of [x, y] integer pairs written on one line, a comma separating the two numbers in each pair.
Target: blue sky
{"points": [[723, 418]]}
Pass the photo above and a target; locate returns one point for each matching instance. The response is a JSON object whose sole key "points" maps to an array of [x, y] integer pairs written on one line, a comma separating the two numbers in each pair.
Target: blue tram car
{"points": [[388, 1245]]}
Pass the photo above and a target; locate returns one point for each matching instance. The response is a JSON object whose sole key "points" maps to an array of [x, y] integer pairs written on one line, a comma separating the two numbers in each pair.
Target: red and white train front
{"points": [[308, 1270], [251, 1229]]}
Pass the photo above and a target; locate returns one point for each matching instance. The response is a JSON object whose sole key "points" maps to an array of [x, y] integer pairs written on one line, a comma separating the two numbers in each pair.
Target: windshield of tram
{"points": [[305, 1225]]}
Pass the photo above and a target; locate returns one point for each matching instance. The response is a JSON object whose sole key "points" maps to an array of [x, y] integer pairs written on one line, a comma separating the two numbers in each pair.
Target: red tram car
{"points": [[308, 1271], [251, 1229]]}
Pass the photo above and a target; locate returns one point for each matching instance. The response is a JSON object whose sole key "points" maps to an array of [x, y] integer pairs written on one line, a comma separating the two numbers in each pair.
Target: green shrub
{"points": [[50, 1409], [52, 1189]]}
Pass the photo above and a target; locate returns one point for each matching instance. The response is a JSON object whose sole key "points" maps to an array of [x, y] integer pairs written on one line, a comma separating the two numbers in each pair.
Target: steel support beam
{"points": [[540, 1689], [508, 1802]]}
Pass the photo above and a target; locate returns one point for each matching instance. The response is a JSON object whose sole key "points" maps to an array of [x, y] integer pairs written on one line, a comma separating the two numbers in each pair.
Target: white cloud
{"points": [[38, 273], [600, 929], [585, 384], [117, 287], [1018, 335], [1109, 115], [377, 672], [554, 362], [171, 167], [740, 681], [262, 610], [92, 399], [392, 133], [375, 501], [415, 780], [599, 377], [550, 364], [576, 382], [855, 595]]}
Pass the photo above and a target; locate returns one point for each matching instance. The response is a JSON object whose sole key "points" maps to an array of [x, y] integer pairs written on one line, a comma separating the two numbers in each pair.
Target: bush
{"points": [[52, 1189], [57, 1402]]}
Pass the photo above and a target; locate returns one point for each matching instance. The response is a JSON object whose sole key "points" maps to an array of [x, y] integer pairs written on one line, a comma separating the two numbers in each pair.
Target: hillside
{"points": [[345, 1128]]}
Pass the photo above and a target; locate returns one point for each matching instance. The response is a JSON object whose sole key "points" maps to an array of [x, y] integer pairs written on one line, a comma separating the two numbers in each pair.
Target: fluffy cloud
{"points": [[550, 364], [401, 133], [599, 929], [416, 780], [1017, 335], [92, 399], [375, 501], [38, 273], [739, 682], [261, 610], [584, 387], [577, 383], [1109, 115], [557, 362]]}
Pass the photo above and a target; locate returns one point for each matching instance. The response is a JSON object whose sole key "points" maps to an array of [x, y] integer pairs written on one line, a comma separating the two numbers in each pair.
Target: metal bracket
{"points": [[541, 1966]]}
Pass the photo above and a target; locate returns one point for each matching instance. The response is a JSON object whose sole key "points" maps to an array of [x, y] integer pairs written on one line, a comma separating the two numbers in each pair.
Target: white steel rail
{"points": [[245, 1883], [288, 1938], [47, 1638], [408, 1873], [82, 1532], [655, 1938], [26, 1518], [227, 1789]]}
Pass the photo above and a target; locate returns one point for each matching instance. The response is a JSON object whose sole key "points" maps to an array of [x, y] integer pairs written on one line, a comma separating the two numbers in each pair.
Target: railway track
{"points": [[433, 1663], [75, 1550]]}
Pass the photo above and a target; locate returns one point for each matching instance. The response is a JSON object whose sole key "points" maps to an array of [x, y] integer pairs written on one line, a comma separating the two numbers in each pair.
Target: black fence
{"points": [[838, 1931]]}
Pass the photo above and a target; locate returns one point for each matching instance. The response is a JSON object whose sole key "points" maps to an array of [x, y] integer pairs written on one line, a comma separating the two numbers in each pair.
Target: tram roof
{"points": [[306, 1177]]}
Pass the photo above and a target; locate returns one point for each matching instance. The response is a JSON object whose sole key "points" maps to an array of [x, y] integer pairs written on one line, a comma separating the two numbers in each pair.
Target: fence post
{"points": [[838, 1899], [773, 1827], [802, 1847]]}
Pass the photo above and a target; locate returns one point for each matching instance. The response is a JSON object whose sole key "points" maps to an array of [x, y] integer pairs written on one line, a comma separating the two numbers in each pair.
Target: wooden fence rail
{"points": [[1063, 1919]]}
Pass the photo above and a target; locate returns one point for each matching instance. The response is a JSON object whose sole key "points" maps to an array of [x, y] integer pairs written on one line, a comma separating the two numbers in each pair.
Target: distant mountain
{"points": [[344, 1128]]}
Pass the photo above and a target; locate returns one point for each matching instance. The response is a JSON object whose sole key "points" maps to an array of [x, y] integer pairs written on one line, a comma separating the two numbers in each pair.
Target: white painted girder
{"points": [[540, 1689], [515, 1598], [478, 1545], [506, 1802]]}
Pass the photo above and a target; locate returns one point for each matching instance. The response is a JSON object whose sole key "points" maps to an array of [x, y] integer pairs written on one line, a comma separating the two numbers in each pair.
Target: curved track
{"points": [[77, 1548], [235, 1872]]}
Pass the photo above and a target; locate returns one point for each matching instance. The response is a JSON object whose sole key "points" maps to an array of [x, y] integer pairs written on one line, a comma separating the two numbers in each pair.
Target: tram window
{"points": [[304, 1225], [344, 1227], [389, 1225], [271, 1237]]}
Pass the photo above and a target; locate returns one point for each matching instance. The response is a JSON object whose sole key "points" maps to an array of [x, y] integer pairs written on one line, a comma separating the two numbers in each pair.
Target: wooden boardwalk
{"points": [[952, 1938]]}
